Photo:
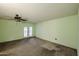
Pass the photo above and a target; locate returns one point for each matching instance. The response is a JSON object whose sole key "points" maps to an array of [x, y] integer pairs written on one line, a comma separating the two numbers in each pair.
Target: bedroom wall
{"points": [[62, 31], [11, 30]]}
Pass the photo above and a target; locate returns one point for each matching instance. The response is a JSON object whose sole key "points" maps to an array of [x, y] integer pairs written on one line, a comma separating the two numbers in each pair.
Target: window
{"points": [[27, 31], [30, 31]]}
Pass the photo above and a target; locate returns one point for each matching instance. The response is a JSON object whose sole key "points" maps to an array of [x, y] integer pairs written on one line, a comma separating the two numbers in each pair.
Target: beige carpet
{"points": [[35, 47]]}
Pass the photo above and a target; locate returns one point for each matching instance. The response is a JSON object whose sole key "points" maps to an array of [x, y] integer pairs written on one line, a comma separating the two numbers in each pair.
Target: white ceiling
{"points": [[36, 12]]}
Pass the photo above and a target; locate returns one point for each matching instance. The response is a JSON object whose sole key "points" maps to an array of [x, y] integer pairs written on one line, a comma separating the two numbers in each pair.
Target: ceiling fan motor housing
{"points": [[19, 19]]}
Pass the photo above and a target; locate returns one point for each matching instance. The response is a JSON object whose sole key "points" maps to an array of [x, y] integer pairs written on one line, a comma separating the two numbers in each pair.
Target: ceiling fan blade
{"points": [[23, 20]]}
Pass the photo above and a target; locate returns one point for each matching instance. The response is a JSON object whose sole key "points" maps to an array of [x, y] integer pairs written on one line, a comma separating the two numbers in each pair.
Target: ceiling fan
{"points": [[18, 18]]}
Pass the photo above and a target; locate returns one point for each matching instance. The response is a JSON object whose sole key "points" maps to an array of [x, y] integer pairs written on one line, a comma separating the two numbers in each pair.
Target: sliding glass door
{"points": [[27, 31], [30, 31]]}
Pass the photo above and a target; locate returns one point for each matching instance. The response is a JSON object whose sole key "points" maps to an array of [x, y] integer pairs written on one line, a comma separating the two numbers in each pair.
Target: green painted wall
{"points": [[63, 29], [11, 30]]}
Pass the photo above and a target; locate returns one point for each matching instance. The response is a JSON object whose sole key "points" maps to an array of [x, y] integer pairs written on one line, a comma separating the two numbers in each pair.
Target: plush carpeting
{"points": [[34, 47]]}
